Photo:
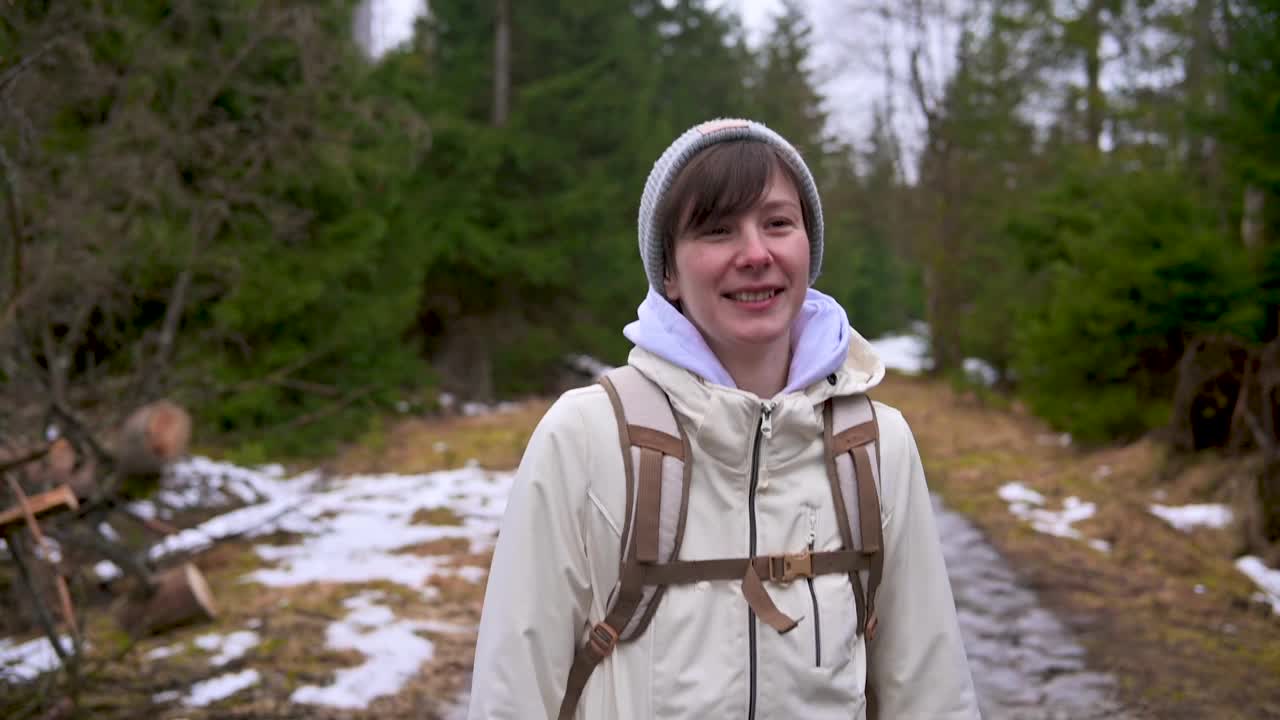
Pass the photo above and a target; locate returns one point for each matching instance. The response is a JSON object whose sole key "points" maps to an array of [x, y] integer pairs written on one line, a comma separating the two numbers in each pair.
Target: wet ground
{"points": [[1025, 664]]}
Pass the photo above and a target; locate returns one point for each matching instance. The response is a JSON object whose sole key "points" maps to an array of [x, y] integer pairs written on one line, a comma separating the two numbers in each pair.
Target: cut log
{"points": [[152, 437], [45, 503], [180, 597]]}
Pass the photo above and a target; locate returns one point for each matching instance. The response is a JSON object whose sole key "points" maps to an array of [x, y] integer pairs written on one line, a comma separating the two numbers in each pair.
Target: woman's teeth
{"points": [[753, 296]]}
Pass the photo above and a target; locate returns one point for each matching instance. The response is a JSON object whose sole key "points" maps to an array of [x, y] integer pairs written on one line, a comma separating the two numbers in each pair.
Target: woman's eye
{"points": [[781, 222], [716, 231]]}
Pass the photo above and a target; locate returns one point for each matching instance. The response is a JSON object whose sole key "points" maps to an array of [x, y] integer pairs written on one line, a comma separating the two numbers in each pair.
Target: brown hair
{"points": [[720, 182]]}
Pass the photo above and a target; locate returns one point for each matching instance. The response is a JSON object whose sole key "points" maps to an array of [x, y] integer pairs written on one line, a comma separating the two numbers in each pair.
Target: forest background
{"points": [[233, 205]]}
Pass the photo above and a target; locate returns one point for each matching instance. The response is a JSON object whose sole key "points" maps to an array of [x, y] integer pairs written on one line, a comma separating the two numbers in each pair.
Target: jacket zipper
{"points": [[817, 617], [763, 430]]}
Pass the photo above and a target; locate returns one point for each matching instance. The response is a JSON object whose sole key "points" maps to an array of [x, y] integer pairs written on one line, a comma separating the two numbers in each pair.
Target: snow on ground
{"points": [[353, 531], [26, 661], [348, 530], [212, 690], [905, 353], [392, 647], [227, 647], [1026, 503], [1189, 517], [1265, 577]]}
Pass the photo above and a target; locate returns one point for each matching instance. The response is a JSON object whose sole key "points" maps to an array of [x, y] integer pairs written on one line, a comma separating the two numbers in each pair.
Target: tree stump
{"points": [[180, 596], [1211, 375]]}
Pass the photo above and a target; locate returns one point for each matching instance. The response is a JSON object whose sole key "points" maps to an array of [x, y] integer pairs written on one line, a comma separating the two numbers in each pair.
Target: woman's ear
{"points": [[669, 285]]}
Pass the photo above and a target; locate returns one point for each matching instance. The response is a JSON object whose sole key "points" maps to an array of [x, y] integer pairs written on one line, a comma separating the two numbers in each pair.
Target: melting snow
{"points": [[228, 647], [162, 652], [353, 532], [393, 650], [1188, 517], [904, 353], [348, 529], [1025, 504], [1265, 577], [27, 661], [223, 686], [106, 570]]}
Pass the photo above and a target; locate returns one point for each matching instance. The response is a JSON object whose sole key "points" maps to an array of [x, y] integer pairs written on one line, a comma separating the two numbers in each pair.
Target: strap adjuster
{"points": [[786, 568], [603, 639]]}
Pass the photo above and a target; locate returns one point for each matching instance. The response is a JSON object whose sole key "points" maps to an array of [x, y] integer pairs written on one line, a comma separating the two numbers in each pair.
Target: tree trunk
{"points": [[1251, 220], [502, 63], [181, 597], [1093, 73]]}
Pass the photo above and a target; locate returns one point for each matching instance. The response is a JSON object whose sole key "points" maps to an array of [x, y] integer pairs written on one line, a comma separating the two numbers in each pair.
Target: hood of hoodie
{"points": [[821, 343], [828, 359]]}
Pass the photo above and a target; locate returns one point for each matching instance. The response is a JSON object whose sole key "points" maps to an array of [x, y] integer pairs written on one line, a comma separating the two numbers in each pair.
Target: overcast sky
{"points": [[848, 58]]}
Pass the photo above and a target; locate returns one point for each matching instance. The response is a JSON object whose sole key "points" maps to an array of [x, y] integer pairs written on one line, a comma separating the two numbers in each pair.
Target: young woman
{"points": [[731, 239]]}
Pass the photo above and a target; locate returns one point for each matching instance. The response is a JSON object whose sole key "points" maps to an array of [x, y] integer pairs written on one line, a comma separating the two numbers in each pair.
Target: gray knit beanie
{"points": [[694, 140]]}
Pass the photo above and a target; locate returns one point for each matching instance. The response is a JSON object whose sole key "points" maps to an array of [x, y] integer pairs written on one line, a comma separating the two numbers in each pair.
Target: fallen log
{"points": [[45, 503], [180, 596]]}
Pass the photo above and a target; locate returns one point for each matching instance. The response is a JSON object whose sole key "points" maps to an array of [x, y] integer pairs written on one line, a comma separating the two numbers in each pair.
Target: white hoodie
{"points": [[557, 560]]}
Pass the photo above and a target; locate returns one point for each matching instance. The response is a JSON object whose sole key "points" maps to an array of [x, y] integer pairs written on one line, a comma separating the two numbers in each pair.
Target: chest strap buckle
{"points": [[786, 568]]}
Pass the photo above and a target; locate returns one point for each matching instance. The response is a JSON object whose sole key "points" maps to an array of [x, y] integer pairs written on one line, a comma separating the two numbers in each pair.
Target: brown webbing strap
{"points": [[866, 488], [873, 541], [842, 512], [644, 437], [648, 506], [759, 601], [624, 440], [777, 568], [856, 436], [630, 590]]}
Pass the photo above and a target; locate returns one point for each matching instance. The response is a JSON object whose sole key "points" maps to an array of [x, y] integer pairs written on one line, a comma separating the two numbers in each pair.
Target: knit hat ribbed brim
{"points": [[677, 156]]}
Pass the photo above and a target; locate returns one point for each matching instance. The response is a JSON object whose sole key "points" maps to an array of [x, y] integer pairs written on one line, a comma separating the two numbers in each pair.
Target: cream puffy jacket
{"points": [[557, 560]]}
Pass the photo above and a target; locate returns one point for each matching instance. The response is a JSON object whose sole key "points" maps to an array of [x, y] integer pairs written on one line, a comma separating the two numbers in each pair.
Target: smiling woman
{"points": [[658, 522], [738, 257]]}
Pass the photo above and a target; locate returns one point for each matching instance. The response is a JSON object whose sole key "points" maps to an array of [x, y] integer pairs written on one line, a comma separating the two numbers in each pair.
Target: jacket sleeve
{"points": [[917, 666], [538, 593]]}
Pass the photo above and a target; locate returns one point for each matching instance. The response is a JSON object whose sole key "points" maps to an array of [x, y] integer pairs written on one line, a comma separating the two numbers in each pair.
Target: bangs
{"points": [[720, 182]]}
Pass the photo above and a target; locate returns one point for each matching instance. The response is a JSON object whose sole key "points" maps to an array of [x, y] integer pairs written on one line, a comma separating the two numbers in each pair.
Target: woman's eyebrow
{"points": [[775, 204]]}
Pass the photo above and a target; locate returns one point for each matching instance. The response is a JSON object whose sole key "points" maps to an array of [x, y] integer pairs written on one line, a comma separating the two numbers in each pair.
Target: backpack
{"points": [[655, 454]]}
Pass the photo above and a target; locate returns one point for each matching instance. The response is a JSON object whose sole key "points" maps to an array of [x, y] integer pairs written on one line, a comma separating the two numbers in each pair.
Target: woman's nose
{"points": [[755, 251]]}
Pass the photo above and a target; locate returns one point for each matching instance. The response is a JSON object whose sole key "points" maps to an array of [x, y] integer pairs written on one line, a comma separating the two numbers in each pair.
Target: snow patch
{"points": [[393, 653], [162, 652], [1264, 577], [228, 647], [106, 570], [1189, 517], [1026, 504], [353, 533], [907, 353], [29, 660], [980, 371], [221, 687]]}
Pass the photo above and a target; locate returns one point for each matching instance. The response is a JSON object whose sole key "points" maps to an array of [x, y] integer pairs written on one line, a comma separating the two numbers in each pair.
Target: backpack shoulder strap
{"points": [[851, 434], [655, 455]]}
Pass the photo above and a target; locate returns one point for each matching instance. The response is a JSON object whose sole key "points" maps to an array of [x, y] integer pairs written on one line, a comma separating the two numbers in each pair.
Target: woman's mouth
{"points": [[753, 296]]}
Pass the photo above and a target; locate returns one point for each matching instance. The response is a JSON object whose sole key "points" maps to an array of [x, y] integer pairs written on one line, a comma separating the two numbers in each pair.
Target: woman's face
{"points": [[742, 281]]}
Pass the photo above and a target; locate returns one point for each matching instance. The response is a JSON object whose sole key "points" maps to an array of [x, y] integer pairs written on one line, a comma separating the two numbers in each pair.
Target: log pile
{"points": [[65, 490]]}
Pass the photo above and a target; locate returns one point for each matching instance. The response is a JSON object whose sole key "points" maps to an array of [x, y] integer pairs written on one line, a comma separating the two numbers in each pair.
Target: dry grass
{"points": [[496, 441], [1177, 652]]}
